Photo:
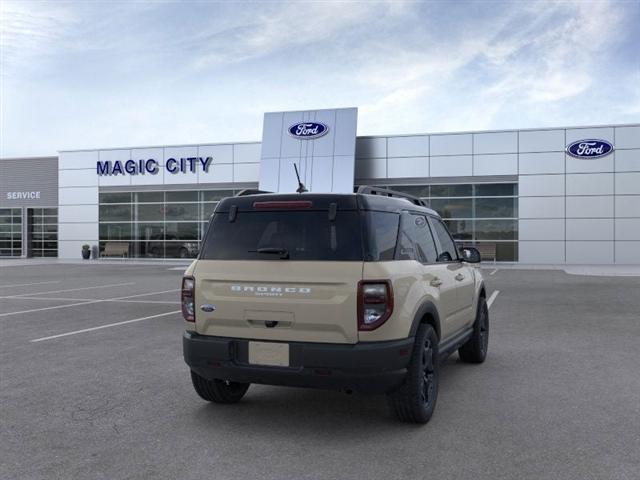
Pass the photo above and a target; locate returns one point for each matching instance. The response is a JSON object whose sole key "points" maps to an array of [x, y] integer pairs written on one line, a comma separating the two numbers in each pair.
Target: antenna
{"points": [[301, 188]]}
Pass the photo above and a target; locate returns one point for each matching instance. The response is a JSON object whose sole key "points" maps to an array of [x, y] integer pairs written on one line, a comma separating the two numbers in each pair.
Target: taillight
{"points": [[187, 300], [375, 303]]}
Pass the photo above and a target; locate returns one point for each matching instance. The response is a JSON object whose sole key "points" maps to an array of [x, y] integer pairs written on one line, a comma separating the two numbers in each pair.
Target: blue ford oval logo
{"points": [[308, 130], [589, 148]]}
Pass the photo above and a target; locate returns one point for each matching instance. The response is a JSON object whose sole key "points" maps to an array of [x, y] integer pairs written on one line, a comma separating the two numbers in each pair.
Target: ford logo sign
{"points": [[589, 148], [308, 130]]}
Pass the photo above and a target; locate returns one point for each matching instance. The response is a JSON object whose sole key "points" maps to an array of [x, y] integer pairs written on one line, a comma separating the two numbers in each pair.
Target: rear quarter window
{"points": [[381, 234]]}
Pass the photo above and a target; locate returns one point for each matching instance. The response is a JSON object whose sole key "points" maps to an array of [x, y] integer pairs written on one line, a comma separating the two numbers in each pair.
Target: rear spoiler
{"points": [[250, 191]]}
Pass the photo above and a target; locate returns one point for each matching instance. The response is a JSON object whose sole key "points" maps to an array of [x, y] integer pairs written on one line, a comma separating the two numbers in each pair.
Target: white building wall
{"points": [[570, 210], [79, 183], [77, 202]]}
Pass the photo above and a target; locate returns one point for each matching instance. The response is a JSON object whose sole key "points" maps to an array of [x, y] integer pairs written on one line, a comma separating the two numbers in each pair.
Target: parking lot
{"points": [[93, 385]]}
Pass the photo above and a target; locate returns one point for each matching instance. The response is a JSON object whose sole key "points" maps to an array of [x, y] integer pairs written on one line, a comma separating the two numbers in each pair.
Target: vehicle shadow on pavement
{"points": [[301, 412]]}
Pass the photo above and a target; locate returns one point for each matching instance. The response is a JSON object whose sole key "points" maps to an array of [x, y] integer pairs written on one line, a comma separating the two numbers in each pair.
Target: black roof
{"points": [[321, 201]]}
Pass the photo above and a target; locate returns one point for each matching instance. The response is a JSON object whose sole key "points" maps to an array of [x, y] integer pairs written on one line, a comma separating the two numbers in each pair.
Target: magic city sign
{"points": [[589, 149], [152, 167]]}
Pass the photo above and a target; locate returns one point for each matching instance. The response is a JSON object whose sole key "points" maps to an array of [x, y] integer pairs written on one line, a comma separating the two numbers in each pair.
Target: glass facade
{"points": [[171, 224], [10, 232], [42, 228], [157, 224], [476, 214]]}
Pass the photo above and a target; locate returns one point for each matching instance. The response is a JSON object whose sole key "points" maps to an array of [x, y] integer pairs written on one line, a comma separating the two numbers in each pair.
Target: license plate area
{"points": [[269, 353]]}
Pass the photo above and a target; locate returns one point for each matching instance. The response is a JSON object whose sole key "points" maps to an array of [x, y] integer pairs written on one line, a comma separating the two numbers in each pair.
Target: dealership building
{"points": [[536, 196]]}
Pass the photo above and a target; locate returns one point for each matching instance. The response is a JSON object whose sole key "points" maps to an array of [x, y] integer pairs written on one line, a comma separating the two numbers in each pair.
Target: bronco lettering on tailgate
{"points": [[269, 290]]}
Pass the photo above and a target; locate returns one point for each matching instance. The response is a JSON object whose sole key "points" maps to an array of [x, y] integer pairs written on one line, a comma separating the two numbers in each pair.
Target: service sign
{"points": [[23, 195], [308, 130], [589, 149]]}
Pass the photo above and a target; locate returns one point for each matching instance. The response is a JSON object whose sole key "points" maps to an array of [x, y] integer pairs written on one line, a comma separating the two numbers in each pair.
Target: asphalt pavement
{"points": [[93, 386]]}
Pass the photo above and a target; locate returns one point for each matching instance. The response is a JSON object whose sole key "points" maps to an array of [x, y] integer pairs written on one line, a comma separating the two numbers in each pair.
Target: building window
{"points": [[158, 224], [42, 228], [10, 232], [480, 213]]}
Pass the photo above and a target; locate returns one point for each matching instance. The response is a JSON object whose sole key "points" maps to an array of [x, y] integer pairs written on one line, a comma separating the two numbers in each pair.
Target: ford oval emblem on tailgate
{"points": [[207, 308]]}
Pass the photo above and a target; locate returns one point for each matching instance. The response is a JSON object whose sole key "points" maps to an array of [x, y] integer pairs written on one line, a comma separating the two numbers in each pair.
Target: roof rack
{"points": [[250, 191], [385, 192]]}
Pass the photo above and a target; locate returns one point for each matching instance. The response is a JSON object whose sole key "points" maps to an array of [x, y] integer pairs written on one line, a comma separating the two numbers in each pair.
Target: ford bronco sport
{"points": [[361, 292]]}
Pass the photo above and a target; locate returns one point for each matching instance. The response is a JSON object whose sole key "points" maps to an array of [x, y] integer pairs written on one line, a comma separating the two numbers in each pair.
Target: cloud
{"points": [[30, 30], [296, 27], [543, 54], [79, 74], [559, 62]]}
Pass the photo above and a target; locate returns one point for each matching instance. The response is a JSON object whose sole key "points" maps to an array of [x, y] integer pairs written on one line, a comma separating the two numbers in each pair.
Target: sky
{"points": [[97, 74]]}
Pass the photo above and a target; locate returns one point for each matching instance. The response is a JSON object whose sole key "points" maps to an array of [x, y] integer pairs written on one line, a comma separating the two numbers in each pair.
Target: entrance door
{"points": [[42, 232]]}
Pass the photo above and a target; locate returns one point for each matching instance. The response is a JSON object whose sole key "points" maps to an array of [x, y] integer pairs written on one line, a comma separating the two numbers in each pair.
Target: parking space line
{"points": [[492, 298], [67, 299], [84, 302], [494, 272], [48, 308], [71, 289], [84, 330], [28, 284], [146, 294], [175, 302]]}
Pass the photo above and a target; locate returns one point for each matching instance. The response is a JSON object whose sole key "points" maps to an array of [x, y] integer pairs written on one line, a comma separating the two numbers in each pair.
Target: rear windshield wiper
{"points": [[283, 252]]}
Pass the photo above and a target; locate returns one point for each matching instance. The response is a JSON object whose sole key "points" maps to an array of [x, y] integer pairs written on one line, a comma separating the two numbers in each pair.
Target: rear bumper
{"points": [[375, 367]]}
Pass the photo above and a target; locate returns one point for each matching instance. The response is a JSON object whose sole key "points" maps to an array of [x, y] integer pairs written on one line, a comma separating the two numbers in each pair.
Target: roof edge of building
{"points": [[467, 132], [36, 157], [255, 142]]}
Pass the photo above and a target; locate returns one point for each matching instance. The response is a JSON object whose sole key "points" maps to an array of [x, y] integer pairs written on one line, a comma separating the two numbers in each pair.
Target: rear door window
{"points": [[416, 241], [304, 235], [447, 251]]}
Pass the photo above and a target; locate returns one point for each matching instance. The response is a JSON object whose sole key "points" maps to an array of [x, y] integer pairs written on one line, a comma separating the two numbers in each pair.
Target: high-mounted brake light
{"points": [[187, 299], [289, 204], [375, 303]]}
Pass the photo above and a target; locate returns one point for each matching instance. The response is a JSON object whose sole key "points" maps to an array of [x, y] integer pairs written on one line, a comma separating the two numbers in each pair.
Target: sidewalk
{"points": [[590, 270], [18, 262]]}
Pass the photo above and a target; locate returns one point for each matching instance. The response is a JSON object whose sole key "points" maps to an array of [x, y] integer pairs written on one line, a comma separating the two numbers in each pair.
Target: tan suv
{"points": [[361, 292]]}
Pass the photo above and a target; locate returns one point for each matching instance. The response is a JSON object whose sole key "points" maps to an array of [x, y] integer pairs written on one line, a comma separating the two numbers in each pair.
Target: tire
{"points": [[415, 400], [475, 350], [218, 391]]}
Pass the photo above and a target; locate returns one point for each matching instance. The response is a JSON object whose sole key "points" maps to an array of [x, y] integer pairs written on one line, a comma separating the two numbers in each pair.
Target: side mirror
{"points": [[444, 257], [470, 255]]}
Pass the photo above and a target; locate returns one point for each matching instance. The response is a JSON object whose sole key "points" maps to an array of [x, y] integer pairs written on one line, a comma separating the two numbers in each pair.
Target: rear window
{"points": [[304, 235]]}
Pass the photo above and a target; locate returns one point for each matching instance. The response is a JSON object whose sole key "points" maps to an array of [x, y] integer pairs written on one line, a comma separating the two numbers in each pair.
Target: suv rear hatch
{"points": [[282, 268]]}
